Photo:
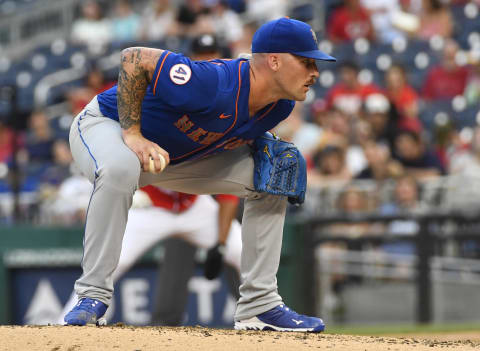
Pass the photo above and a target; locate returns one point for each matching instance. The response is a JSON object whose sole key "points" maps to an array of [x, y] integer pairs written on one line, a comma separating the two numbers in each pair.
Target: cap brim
{"points": [[315, 54]]}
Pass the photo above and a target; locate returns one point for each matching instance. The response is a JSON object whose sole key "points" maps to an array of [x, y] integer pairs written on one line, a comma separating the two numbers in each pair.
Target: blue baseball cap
{"points": [[289, 36]]}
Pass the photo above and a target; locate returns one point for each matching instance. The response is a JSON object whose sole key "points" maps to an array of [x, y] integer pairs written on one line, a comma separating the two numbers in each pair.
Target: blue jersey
{"points": [[197, 108]]}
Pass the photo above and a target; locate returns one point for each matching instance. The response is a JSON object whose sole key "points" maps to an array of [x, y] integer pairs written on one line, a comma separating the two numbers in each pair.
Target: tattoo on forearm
{"points": [[134, 76]]}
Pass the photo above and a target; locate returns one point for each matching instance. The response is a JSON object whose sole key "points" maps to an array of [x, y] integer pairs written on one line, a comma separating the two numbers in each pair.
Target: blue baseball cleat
{"points": [[281, 318], [86, 311]]}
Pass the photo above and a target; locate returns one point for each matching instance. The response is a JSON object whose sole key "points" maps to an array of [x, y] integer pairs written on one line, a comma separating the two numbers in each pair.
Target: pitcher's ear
{"points": [[274, 61]]}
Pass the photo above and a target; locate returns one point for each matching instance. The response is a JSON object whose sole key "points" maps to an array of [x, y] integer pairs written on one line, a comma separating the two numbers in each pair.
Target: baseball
{"points": [[151, 167]]}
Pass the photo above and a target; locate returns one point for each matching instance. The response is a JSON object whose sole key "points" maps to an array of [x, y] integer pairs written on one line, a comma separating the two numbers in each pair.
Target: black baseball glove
{"points": [[214, 262]]}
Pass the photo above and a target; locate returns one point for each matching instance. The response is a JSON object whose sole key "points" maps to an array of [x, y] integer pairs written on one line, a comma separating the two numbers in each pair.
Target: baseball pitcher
{"points": [[204, 119]]}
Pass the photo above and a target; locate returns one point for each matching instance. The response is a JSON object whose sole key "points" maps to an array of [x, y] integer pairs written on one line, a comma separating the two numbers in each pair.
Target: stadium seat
{"points": [[342, 52], [411, 52], [467, 117], [416, 78], [431, 114], [369, 59], [431, 111], [467, 20]]}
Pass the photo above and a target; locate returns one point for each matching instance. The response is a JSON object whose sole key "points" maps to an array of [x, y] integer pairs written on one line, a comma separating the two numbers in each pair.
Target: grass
{"points": [[391, 329]]}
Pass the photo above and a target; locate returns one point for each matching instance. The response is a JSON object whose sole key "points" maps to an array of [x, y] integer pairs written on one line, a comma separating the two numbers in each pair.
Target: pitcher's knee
{"points": [[123, 175]]}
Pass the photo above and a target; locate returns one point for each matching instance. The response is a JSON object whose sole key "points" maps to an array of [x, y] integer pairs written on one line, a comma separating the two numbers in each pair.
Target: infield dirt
{"points": [[119, 337]]}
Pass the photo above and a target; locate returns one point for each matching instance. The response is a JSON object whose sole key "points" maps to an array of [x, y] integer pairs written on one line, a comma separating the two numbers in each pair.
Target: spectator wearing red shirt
{"points": [[9, 141], [448, 79], [349, 22], [349, 94], [403, 97]]}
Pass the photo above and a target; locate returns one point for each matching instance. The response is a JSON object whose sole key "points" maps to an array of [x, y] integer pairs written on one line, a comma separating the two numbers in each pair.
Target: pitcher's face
{"points": [[296, 75]]}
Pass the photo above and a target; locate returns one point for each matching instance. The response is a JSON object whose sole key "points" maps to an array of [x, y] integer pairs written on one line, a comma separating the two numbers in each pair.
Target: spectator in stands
{"points": [[329, 165], [413, 154], [340, 129], [59, 170], [125, 22], [92, 29], [40, 139], [403, 97], [447, 79], [466, 161], [68, 204], [349, 22], [435, 19], [382, 119], [361, 132], [95, 83], [462, 190], [406, 196], [158, 21], [193, 17], [335, 125], [472, 90], [353, 200], [244, 44], [37, 155], [381, 14], [406, 200], [445, 138], [205, 47], [319, 111], [381, 166], [227, 25], [349, 94], [265, 10]]}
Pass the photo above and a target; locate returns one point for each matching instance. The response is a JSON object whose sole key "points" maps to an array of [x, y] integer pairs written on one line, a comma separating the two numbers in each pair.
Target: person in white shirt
{"points": [[92, 29]]}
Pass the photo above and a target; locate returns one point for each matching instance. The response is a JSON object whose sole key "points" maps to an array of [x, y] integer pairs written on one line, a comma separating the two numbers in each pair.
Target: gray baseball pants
{"points": [[100, 153]]}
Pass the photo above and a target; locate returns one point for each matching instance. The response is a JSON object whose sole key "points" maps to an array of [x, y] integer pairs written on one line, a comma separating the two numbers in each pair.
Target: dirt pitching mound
{"points": [[119, 337]]}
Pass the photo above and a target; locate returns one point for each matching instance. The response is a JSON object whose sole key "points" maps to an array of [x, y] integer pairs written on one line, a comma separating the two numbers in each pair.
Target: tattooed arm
{"points": [[136, 70]]}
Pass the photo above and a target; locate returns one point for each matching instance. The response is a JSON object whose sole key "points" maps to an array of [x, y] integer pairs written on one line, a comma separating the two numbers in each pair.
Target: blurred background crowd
{"points": [[392, 128], [397, 113]]}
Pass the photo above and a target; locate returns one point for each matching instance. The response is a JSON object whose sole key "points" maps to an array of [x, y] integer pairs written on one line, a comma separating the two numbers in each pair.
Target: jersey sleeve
{"points": [[184, 84]]}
